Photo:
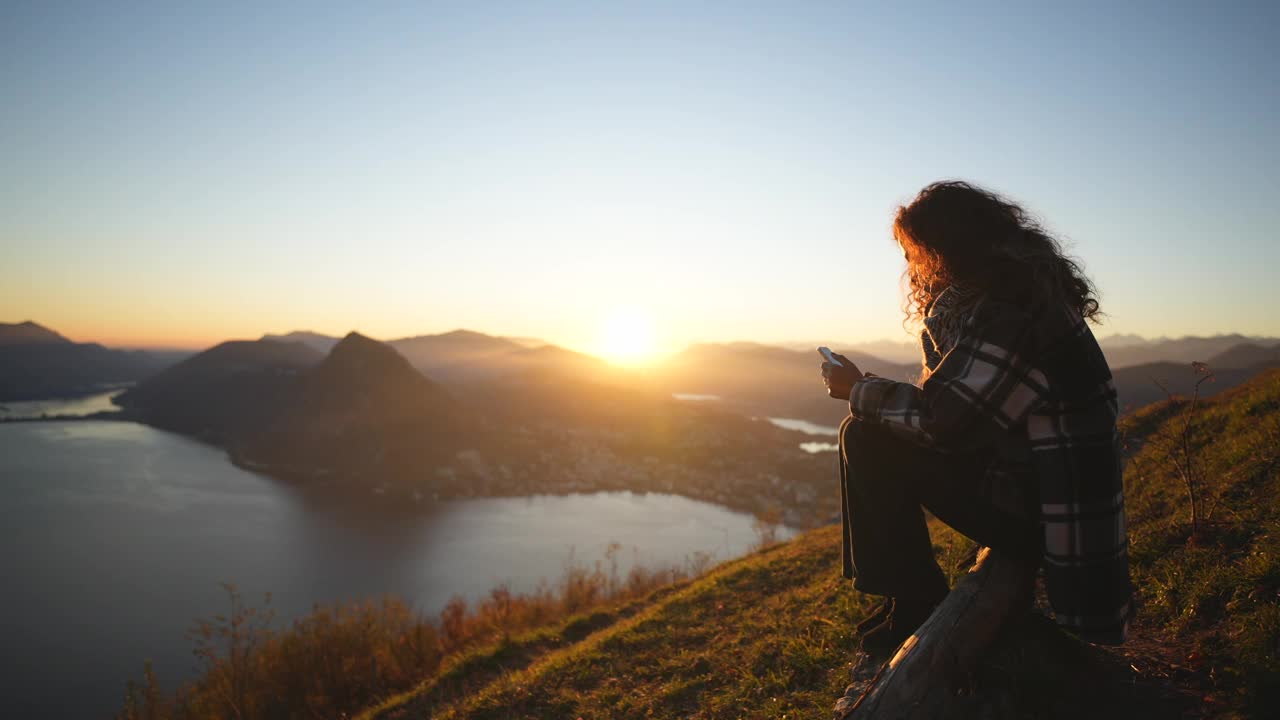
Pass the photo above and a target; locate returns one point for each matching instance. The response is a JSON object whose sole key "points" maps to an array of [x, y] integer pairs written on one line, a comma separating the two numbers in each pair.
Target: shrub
{"points": [[341, 658]]}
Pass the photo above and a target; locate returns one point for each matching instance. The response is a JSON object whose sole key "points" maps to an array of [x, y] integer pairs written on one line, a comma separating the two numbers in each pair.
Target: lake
{"points": [[83, 405], [116, 536], [809, 428], [804, 426]]}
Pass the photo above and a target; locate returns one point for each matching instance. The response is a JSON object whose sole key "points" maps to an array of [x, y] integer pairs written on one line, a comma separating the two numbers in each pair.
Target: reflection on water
{"points": [[85, 405], [817, 447], [116, 536], [804, 426]]}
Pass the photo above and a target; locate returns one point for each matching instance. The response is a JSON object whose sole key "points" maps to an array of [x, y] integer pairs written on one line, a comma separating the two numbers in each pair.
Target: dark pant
{"points": [[884, 481]]}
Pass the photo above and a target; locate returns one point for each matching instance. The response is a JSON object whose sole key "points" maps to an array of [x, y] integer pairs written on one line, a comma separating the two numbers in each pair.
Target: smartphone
{"points": [[826, 353]]}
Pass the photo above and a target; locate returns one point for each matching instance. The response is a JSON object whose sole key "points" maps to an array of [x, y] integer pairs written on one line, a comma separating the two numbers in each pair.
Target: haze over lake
{"points": [[117, 536]]}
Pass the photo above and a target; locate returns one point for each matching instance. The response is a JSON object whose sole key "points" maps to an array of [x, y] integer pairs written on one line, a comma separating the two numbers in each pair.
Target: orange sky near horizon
{"points": [[624, 334]]}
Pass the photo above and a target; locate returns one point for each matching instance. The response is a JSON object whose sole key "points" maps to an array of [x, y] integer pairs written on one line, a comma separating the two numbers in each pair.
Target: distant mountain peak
{"points": [[362, 375], [28, 333], [317, 341], [353, 344], [1123, 340], [464, 333], [360, 354], [1246, 355], [255, 353], [1125, 351]]}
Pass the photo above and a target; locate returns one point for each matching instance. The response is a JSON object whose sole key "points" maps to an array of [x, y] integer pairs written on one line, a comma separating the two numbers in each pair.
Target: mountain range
{"points": [[749, 378], [284, 407], [226, 393], [746, 377], [781, 380], [466, 355], [1130, 350], [462, 413], [37, 363], [362, 416], [29, 333], [1121, 350]]}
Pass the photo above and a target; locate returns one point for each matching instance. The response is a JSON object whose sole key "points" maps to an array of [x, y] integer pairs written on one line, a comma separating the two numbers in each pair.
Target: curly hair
{"points": [[954, 232]]}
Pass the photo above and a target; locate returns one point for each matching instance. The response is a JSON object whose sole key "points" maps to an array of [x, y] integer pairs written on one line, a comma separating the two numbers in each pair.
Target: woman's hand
{"points": [[840, 378]]}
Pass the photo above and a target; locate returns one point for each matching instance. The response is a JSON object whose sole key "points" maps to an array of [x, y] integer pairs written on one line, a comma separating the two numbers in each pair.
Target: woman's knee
{"points": [[844, 426], [856, 438], [854, 429]]}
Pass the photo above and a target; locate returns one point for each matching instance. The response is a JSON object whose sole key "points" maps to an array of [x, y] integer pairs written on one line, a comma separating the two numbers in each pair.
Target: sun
{"points": [[626, 337]]}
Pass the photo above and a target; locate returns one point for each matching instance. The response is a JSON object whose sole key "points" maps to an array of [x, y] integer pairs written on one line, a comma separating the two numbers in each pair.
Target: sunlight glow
{"points": [[626, 337]]}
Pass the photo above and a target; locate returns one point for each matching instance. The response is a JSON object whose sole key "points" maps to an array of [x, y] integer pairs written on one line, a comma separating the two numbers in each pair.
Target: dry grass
{"points": [[340, 659]]}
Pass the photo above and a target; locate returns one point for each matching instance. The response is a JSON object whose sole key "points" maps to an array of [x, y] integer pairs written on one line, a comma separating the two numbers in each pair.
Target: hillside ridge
{"points": [[29, 332], [771, 634]]}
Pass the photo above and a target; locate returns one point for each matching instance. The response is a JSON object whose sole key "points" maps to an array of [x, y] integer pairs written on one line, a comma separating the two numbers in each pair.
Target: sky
{"points": [[177, 174]]}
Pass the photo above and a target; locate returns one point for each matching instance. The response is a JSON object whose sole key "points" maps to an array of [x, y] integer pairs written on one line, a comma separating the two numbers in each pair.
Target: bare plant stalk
{"points": [[1184, 462]]}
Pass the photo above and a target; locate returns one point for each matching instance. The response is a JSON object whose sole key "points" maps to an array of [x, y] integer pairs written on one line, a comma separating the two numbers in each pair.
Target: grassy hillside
{"points": [[765, 633], [1141, 385], [765, 636], [1210, 616], [769, 635]]}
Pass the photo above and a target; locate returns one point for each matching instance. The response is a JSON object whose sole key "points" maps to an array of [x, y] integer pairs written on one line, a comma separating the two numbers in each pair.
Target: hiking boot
{"points": [[877, 616], [904, 619], [883, 638]]}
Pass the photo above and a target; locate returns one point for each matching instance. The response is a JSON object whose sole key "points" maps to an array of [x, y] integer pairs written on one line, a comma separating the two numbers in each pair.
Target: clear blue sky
{"points": [[181, 173]]}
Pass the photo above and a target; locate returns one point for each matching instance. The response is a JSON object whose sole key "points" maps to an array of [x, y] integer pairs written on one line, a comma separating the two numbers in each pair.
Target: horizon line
{"points": [[201, 345]]}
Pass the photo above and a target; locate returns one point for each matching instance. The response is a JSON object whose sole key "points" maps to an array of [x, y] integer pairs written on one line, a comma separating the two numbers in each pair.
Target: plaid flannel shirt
{"points": [[1031, 382]]}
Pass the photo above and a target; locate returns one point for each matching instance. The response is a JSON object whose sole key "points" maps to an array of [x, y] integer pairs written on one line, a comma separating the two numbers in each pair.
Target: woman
{"points": [[1010, 438]]}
